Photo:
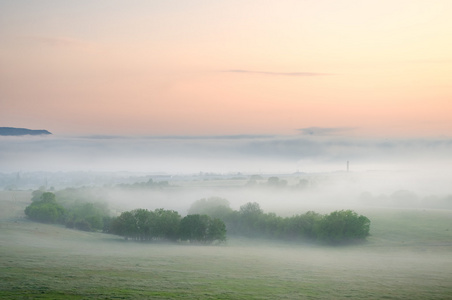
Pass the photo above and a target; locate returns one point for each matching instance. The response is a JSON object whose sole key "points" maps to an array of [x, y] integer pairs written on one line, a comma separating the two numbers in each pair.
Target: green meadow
{"points": [[407, 256]]}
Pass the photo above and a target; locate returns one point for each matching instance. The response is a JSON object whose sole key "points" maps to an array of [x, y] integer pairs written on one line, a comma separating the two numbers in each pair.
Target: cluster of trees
{"points": [[45, 209], [149, 184], [161, 224], [276, 182], [138, 224], [208, 220], [271, 181], [251, 221], [80, 215]]}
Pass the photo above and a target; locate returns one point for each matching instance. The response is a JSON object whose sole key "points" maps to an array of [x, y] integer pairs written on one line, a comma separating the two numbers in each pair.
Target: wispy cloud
{"points": [[295, 74]]}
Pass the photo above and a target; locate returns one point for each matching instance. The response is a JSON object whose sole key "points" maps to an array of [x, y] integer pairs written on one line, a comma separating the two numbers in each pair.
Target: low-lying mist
{"points": [[323, 193], [284, 194], [320, 173], [223, 154]]}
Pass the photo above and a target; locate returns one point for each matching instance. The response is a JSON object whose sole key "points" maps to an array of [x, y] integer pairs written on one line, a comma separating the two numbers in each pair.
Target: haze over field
{"points": [[224, 154]]}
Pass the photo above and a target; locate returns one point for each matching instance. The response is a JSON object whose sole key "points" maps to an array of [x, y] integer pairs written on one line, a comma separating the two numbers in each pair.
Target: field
{"points": [[407, 256]]}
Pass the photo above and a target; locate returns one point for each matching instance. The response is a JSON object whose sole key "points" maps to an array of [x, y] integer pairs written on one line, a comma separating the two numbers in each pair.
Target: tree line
{"points": [[208, 220], [138, 224], [250, 221], [161, 224], [78, 214]]}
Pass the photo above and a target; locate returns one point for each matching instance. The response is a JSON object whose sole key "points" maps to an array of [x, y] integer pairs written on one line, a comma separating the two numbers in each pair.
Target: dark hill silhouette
{"points": [[21, 131]]}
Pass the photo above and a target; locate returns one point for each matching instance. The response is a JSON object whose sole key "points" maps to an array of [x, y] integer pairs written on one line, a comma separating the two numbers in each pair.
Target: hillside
{"points": [[408, 256], [21, 131]]}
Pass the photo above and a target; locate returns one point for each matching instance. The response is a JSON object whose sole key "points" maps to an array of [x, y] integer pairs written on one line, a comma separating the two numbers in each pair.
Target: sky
{"points": [[200, 68], [227, 86]]}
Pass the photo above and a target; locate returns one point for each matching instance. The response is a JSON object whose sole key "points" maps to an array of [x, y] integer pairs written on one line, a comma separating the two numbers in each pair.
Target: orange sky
{"points": [[228, 67]]}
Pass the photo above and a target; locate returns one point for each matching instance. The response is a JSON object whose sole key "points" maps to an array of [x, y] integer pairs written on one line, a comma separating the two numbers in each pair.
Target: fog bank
{"points": [[222, 154]]}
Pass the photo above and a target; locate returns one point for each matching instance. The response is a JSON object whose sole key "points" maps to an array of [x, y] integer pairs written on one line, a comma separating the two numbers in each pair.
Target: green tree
{"points": [[214, 207], [141, 222], [45, 210], [251, 209], [194, 227], [91, 213], [124, 225], [248, 221], [166, 224], [48, 197], [270, 225], [144, 225], [302, 226], [216, 230], [342, 226], [202, 228]]}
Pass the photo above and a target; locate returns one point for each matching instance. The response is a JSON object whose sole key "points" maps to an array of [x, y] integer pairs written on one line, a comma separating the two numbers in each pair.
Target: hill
{"points": [[21, 131]]}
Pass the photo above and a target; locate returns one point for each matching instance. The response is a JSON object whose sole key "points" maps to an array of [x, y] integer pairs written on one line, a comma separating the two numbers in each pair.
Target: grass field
{"points": [[408, 256]]}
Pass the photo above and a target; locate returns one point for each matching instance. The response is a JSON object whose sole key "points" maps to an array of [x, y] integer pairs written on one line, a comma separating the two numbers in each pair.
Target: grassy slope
{"points": [[408, 256]]}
